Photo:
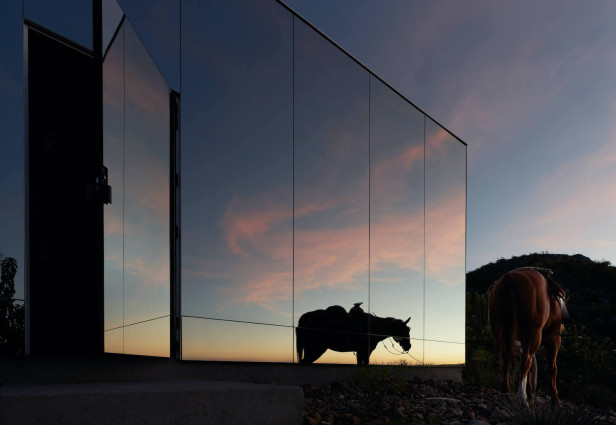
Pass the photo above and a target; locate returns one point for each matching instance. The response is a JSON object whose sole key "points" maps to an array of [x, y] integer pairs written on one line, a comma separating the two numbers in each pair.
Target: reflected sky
{"points": [[136, 151], [396, 212], [331, 175], [445, 236], [237, 153]]}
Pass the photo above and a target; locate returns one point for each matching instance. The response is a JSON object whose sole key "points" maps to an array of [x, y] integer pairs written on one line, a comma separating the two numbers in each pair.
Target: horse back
{"points": [[524, 292]]}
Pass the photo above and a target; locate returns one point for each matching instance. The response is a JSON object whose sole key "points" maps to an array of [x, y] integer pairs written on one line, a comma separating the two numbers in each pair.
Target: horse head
{"points": [[401, 333]]}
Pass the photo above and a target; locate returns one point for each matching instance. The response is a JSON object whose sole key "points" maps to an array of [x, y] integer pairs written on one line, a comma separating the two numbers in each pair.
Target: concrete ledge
{"points": [[184, 402], [124, 368]]}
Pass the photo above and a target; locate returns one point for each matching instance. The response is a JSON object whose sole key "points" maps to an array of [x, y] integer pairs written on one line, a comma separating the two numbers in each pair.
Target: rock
{"points": [[309, 421], [316, 416], [444, 402]]}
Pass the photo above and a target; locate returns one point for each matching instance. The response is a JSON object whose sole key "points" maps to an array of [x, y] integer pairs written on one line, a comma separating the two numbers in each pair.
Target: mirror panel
{"points": [[396, 216], [158, 24], [445, 239], [222, 340], [137, 154], [237, 171], [113, 158], [442, 353], [112, 15], [146, 185], [150, 338], [331, 207]]}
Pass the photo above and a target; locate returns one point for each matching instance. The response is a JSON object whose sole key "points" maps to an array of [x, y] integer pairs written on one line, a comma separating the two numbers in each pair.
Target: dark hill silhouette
{"points": [[590, 284]]}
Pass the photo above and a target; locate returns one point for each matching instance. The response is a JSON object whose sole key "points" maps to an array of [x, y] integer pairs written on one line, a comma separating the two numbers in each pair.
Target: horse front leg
{"points": [[363, 358], [552, 346]]}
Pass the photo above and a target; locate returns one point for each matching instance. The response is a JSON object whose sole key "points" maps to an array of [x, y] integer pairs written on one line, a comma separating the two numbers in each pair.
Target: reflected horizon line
{"points": [[137, 323], [294, 327]]}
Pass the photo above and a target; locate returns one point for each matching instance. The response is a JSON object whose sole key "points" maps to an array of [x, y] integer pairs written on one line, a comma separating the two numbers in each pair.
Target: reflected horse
{"points": [[526, 309], [335, 329]]}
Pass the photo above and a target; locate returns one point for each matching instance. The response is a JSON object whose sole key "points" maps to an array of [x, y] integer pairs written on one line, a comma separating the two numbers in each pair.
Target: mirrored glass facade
{"points": [[322, 215], [309, 186]]}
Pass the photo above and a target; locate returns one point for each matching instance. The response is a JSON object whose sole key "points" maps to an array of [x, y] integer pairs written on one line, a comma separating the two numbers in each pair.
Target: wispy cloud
{"points": [[575, 207]]}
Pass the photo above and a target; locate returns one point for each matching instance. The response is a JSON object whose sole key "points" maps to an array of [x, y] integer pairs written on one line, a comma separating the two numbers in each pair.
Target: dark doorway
{"points": [[65, 300]]}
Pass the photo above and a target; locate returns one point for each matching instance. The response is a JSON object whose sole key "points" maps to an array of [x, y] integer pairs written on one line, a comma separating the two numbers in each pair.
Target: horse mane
{"points": [[389, 319]]}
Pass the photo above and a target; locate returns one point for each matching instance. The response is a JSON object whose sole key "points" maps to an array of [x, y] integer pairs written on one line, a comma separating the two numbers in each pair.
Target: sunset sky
{"points": [[528, 85]]}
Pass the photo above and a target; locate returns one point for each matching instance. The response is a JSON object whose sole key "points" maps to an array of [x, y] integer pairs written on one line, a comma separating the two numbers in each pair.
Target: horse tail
{"points": [[508, 317], [299, 343]]}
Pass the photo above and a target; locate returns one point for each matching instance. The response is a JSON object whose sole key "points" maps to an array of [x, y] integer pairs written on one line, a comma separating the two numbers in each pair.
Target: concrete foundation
{"points": [[189, 402], [122, 389]]}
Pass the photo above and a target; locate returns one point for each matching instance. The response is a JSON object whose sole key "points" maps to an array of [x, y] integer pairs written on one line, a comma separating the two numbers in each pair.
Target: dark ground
{"points": [[420, 402]]}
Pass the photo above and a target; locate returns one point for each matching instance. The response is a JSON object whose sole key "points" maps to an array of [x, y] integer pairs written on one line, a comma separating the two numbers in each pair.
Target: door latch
{"points": [[100, 191]]}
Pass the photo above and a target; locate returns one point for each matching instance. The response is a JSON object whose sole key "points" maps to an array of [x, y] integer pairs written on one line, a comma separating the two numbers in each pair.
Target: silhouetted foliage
{"points": [[12, 317], [587, 357]]}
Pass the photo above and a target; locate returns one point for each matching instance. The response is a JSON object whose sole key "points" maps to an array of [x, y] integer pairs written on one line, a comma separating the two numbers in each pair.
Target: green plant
{"points": [[516, 413], [600, 396], [481, 369], [377, 383]]}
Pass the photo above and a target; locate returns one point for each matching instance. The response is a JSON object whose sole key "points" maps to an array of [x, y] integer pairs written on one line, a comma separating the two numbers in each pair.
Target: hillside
{"points": [[590, 285]]}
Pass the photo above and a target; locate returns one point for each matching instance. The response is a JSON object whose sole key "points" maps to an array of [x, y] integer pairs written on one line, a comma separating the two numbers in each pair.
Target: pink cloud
{"points": [[446, 239], [390, 176], [246, 220]]}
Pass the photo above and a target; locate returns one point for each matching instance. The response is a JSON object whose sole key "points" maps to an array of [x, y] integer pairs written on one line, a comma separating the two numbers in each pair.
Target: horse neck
{"points": [[379, 327]]}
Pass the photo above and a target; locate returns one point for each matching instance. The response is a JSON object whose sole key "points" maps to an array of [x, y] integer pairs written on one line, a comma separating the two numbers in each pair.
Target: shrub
{"points": [[516, 413], [377, 383]]}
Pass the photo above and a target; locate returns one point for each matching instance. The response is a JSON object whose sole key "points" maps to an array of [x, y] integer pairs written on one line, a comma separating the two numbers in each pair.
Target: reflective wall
{"points": [[137, 153], [309, 183]]}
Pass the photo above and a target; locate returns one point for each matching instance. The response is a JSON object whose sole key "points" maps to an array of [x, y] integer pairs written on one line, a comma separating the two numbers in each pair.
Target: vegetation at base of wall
{"points": [[516, 413], [376, 384], [12, 315], [587, 357]]}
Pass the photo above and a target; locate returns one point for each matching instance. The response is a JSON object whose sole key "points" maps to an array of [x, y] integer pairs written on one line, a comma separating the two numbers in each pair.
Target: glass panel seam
{"points": [[423, 354]]}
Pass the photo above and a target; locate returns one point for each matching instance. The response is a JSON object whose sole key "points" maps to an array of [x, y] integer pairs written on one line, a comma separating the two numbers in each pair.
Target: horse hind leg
{"points": [[312, 354], [526, 364], [505, 359], [553, 345]]}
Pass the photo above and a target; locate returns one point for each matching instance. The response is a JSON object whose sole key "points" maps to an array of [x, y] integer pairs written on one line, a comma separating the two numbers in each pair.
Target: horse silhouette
{"points": [[526, 309], [357, 331]]}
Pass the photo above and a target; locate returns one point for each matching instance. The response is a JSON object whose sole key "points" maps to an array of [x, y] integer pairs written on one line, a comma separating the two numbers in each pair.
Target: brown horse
{"points": [[528, 306]]}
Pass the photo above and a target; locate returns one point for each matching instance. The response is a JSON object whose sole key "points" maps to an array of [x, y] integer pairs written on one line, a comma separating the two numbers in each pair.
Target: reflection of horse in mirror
{"points": [[335, 329], [528, 306]]}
